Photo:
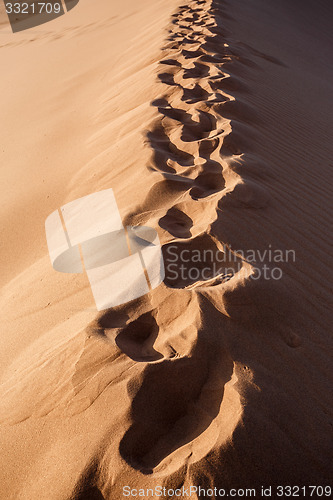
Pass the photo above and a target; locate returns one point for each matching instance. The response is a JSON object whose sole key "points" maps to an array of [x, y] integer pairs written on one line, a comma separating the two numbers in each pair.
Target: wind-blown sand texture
{"points": [[211, 121]]}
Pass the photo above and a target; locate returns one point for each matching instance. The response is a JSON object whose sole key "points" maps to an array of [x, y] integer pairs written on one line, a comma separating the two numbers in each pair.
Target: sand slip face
{"points": [[214, 379]]}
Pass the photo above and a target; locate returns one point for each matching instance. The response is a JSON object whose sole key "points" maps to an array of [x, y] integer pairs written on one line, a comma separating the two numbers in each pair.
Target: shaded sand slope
{"points": [[274, 189], [217, 380]]}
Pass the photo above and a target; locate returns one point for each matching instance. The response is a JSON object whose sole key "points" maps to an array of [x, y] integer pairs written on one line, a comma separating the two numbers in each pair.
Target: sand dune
{"points": [[210, 120]]}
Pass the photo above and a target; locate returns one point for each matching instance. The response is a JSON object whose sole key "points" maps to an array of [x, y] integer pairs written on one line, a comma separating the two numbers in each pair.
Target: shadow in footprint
{"points": [[176, 223], [167, 78], [207, 183], [199, 71], [170, 62], [196, 94], [164, 149], [197, 261], [137, 338], [174, 402], [193, 131]]}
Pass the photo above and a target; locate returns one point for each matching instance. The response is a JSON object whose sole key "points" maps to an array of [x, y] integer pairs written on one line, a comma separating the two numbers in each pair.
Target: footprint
{"points": [[170, 62], [176, 223], [197, 260], [167, 78], [199, 71], [195, 94], [207, 184], [137, 338], [184, 397]]}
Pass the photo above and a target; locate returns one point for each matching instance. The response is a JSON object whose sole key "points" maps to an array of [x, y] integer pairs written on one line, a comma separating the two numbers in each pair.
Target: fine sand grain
{"points": [[211, 120]]}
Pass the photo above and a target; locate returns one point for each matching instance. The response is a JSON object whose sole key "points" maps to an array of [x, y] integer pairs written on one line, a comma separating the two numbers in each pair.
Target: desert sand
{"points": [[211, 121]]}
